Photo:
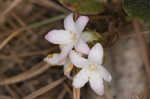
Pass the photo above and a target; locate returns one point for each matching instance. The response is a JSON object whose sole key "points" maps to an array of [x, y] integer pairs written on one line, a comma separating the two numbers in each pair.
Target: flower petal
{"points": [[59, 37], [96, 54], [69, 24], [96, 84], [81, 23], [77, 60], [105, 74], [53, 59], [82, 47], [80, 79], [66, 65], [67, 68], [65, 50]]}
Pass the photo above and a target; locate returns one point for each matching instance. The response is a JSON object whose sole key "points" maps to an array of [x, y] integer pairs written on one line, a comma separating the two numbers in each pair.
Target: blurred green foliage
{"points": [[84, 6], [139, 9]]}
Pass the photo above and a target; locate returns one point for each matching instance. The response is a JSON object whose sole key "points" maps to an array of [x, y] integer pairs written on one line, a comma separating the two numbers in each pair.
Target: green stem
{"points": [[47, 21]]}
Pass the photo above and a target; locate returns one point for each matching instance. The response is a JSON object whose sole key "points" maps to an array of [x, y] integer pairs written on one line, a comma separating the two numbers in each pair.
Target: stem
{"points": [[76, 93], [47, 21], [144, 47]]}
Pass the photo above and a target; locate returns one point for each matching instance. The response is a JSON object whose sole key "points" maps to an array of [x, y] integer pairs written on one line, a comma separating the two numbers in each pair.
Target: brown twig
{"points": [[37, 15], [17, 59], [144, 48], [66, 87], [5, 97], [38, 52], [22, 37], [62, 94], [12, 6], [12, 35], [134, 35], [12, 93], [26, 54], [76, 93], [50, 4], [20, 21], [18, 90], [44, 89], [15, 33], [36, 70], [21, 66]]}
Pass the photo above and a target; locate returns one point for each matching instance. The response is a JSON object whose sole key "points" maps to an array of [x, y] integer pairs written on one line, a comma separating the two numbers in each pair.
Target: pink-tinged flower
{"points": [[91, 69], [53, 60], [70, 37]]}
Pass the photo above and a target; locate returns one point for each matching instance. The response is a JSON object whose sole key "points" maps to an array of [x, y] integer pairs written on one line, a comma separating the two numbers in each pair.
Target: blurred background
{"points": [[24, 74]]}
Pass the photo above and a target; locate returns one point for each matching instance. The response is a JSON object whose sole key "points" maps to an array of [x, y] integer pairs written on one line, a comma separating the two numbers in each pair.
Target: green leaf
{"points": [[139, 9], [84, 6], [93, 37], [90, 36]]}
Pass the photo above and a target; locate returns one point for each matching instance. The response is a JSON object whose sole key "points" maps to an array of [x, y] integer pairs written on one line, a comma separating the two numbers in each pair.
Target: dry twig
{"points": [[12, 6], [76, 93], [44, 89], [5, 97], [62, 94], [50, 4], [36, 70], [35, 25], [144, 48], [12, 92], [134, 35]]}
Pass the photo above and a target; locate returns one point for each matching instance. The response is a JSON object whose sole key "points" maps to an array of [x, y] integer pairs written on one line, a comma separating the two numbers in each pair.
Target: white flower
{"points": [[53, 60], [91, 69], [70, 37]]}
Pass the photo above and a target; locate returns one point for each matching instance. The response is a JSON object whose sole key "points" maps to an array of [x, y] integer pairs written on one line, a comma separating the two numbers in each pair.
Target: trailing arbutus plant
{"points": [[82, 49]]}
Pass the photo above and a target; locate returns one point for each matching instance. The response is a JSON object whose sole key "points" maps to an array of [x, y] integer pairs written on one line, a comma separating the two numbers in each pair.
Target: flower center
{"points": [[50, 56], [92, 67], [74, 38]]}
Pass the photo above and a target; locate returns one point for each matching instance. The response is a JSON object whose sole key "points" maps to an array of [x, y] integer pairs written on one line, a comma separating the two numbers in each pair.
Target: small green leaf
{"points": [[90, 36], [139, 9], [93, 37], [84, 6]]}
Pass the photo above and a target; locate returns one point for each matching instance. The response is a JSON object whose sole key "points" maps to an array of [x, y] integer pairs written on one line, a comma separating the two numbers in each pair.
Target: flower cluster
{"points": [[73, 38]]}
